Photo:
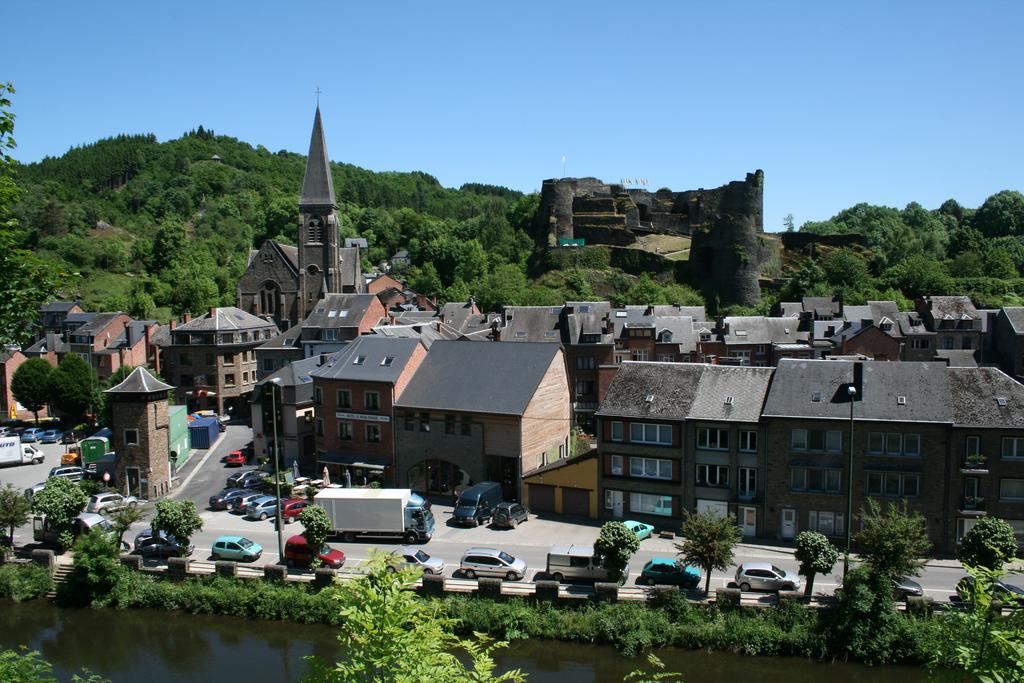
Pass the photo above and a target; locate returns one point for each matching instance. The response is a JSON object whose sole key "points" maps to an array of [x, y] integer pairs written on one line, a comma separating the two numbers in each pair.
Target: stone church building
{"points": [[283, 282]]}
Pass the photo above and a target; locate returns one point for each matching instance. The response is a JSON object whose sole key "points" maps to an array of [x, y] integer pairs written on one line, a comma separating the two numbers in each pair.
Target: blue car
{"points": [[666, 571], [641, 530], [236, 548], [50, 436], [31, 435]]}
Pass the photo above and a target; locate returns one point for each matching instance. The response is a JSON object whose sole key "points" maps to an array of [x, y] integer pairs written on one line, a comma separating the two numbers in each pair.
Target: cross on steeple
{"points": [[317, 95]]}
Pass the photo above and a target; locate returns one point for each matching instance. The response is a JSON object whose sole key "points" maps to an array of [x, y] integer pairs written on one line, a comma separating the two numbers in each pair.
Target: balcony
{"points": [[974, 463], [974, 504]]}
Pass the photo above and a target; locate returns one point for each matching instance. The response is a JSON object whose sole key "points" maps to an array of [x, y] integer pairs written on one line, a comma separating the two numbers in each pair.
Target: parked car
{"points": [[236, 548], [50, 436], [225, 498], [31, 434], [766, 577], [409, 556], [291, 509], [904, 587], [234, 459], [261, 508], [70, 436], [491, 562], [577, 562], [34, 489], [509, 515], [641, 530], [5, 431], [109, 502], [249, 479], [476, 504], [149, 544], [667, 571], [296, 553], [1006, 593], [72, 473], [240, 503]]}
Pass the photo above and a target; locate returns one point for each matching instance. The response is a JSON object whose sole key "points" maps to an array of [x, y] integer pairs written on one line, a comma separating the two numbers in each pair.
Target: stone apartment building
{"points": [[286, 396], [482, 411], [52, 317], [957, 324], [355, 391], [679, 436], [211, 359]]}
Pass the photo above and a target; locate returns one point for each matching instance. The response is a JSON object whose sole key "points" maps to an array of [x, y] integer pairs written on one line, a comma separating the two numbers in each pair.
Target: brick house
{"points": [[212, 359], [10, 360], [354, 391], [53, 315], [482, 411], [864, 339]]}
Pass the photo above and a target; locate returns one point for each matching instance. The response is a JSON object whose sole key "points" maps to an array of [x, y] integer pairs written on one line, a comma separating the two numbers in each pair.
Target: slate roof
{"points": [[372, 350], [674, 310], [350, 270], [1015, 314], [339, 310], [285, 340], [957, 358], [953, 307], [59, 306], [295, 373], [139, 381], [79, 318], [798, 382], [51, 343], [746, 386], [533, 324], [317, 184], [975, 392], [762, 330], [427, 333], [224, 318], [97, 323], [479, 377], [671, 388]]}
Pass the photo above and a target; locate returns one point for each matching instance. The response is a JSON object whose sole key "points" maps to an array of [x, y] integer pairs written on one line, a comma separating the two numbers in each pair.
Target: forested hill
{"points": [[173, 222]]}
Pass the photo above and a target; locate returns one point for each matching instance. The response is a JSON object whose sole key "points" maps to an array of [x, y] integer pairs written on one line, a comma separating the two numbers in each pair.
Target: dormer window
{"points": [[1001, 401], [728, 400]]}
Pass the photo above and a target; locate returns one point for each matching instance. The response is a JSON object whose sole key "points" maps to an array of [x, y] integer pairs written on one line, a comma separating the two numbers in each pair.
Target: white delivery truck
{"points": [[14, 452], [383, 513]]}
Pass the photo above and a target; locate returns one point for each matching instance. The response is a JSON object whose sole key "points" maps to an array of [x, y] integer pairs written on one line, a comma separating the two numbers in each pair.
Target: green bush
{"points": [[24, 582]]}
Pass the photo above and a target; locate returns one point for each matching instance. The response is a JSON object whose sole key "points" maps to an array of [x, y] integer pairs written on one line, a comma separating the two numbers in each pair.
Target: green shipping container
{"points": [[94, 448]]}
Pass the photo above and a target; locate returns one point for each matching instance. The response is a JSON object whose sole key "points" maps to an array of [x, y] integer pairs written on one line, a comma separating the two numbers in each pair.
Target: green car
{"points": [[641, 530], [236, 548]]}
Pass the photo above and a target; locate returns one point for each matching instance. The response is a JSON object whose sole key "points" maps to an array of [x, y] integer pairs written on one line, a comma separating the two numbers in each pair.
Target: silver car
{"points": [[261, 508], [110, 502], [764, 576], [408, 556], [491, 562]]}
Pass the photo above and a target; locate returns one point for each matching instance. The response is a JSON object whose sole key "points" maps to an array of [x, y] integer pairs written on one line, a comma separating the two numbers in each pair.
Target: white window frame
{"points": [[876, 443], [639, 354], [1015, 498], [662, 434], [1016, 444], [720, 472], [746, 482], [131, 442], [650, 468], [616, 431], [650, 504], [617, 464]]}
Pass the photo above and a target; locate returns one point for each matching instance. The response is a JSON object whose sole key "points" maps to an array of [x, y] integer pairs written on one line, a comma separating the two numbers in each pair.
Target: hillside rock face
{"points": [[723, 223]]}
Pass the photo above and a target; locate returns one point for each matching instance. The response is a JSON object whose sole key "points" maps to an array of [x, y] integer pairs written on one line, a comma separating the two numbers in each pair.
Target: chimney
{"points": [[391, 318], [213, 311], [174, 323], [858, 380], [323, 358], [187, 317], [649, 310]]}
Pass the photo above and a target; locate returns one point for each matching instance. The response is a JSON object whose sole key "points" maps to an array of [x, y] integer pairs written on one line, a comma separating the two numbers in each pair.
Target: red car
{"points": [[291, 508], [296, 553], [235, 458]]}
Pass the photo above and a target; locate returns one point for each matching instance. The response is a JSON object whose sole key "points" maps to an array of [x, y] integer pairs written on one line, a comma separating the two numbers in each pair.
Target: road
{"points": [[204, 474]]}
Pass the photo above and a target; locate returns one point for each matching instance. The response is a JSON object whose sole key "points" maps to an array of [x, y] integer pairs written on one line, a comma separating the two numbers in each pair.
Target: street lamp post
{"points": [[276, 383], [851, 391]]}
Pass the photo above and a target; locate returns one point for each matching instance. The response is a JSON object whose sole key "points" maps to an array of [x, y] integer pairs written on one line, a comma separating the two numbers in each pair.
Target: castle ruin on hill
{"points": [[723, 223]]}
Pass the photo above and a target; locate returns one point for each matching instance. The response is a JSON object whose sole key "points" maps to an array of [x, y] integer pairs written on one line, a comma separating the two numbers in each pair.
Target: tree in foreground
{"points": [[317, 526], [989, 544], [95, 571], [31, 385], [979, 641], [863, 622], [816, 555], [24, 666], [15, 509], [390, 634], [708, 542], [177, 518], [74, 387], [61, 501], [123, 520], [893, 542], [614, 547]]}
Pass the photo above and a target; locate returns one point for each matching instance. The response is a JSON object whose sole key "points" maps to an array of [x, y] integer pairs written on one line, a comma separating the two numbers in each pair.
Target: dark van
{"points": [[476, 504]]}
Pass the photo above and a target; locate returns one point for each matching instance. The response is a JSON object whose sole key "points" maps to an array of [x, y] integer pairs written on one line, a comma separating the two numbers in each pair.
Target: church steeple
{"points": [[317, 186]]}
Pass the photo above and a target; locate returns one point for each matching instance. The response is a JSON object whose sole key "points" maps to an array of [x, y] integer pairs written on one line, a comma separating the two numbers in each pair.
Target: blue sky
{"points": [[884, 102]]}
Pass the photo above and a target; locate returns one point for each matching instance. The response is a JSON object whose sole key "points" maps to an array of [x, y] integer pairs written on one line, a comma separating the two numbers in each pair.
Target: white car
{"points": [[110, 502], [408, 556]]}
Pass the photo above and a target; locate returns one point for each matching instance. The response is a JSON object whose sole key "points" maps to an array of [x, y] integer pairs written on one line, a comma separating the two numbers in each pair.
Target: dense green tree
{"points": [[1000, 264], [391, 635], [74, 387], [816, 555], [95, 570], [1001, 214], [614, 547], [863, 623], [989, 544], [317, 526], [843, 268], [61, 501], [15, 510], [919, 276], [177, 518], [644, 291], [31, 385], [893, 542], [709, 540]]}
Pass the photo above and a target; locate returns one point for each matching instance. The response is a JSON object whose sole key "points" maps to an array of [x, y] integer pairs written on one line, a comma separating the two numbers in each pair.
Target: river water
{"points": [[165, 647]]}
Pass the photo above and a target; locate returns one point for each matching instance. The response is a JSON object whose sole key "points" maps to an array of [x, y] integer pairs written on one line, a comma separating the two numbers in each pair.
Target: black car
{"points": [[1006, 593], [904, 587], [70, 437], [149, 544], [509, 515], [251, 479], [226, 499]]}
